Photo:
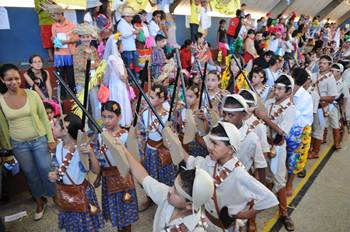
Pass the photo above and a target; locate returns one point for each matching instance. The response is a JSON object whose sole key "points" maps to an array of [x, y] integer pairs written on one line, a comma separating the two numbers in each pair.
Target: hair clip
{"points": [[115, 107]]}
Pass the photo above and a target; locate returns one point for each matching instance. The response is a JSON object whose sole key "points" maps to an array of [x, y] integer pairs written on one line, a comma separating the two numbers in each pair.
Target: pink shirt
{"points": [[65, 28]]}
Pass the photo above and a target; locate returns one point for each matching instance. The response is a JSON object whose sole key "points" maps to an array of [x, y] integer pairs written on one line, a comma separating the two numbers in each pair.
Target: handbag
{"points": [[163, 152], [114, 181], [73, 198]]}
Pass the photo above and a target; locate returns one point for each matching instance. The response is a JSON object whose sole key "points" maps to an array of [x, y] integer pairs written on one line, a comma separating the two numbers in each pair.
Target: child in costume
{"points": [[235, 110], [280, 118], [230, 179], [64, 44], [84, 52], [179, 206], [116, 79], [76, 198], [325, 86], [156, 161], [119, 203], [194, 148], [259, 83]]}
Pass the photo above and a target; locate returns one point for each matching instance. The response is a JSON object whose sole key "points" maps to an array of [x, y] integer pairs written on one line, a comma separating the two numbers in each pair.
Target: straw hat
{"points": [[52, 8], [85, 29], [127, 11], [93, 4]]}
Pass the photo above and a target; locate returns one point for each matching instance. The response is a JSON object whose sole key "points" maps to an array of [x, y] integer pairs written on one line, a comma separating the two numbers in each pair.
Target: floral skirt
{"points": [[120, 214], [195, 149], [164, 174], [82, 222], [298, 144]]}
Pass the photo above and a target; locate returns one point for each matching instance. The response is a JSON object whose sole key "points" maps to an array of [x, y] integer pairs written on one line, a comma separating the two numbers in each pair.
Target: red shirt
{"points": [[185, 57], [232, 26]]}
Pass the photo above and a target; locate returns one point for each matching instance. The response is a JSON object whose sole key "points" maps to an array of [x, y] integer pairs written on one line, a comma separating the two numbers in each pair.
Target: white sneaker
{"points": [[38, 216]]}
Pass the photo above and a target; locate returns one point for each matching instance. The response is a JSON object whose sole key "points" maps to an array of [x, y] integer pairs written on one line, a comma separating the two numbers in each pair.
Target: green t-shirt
{"points": [[45, 18]]}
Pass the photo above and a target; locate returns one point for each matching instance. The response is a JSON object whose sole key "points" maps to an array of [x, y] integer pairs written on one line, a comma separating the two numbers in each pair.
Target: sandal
{"points": [[288, 223], [302, 174]]}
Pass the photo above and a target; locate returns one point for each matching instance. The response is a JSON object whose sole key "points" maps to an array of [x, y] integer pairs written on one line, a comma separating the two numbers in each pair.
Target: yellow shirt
{"points": [[20, 122], [39, 119], [195, 13]]}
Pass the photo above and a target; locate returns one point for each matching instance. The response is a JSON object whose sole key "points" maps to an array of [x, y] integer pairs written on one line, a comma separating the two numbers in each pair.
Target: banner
{"points": [[72, 4], [137, 4], [227, 7]]}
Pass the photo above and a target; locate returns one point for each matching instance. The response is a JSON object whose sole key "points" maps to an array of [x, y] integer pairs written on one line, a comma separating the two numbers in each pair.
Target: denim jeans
{"points": [[193, 30], [34, 159]]}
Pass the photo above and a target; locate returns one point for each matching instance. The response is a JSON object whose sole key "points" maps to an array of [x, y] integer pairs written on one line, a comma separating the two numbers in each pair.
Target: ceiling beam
{"points": [[329, 8], [343, 18], [281, 7]]}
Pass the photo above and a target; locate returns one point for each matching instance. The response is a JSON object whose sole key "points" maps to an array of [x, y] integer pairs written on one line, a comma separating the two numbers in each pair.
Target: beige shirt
{"points": [[159, 194], [285, 120], [326, 87], [237, 189], [260, 130], [250, 153]]}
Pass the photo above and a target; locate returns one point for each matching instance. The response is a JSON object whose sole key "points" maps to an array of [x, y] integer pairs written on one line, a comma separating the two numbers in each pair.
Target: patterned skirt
{"points": [[298, 141], [120, 214], [82, 222], [303, 149], [164, 174], [63, 60], [195, 149]]}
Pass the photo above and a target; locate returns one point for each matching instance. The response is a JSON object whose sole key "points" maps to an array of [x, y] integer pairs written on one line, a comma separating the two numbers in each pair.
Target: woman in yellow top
{"points": [[27, 128], [195, 17]]}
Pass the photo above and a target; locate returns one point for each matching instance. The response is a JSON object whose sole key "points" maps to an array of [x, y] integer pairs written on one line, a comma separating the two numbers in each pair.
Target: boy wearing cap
{"points": [[326, 87], [340, 103], [235, 110], [179, 206], [279, 118], [230, 179], [258, 126]]}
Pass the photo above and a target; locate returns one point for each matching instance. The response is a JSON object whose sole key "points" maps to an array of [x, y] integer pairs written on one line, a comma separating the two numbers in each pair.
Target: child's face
{"points": [[58, 131], [280, 93], [85, 39], [155, 100], [50, 113], [161, 43], [223, 25], [191, 97], [212, 82], [58, 17], [251, 36], [235, 118], [110, 119], [175, 199], [257, 79], [218, 150], [157, 18], [37, 63]]}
